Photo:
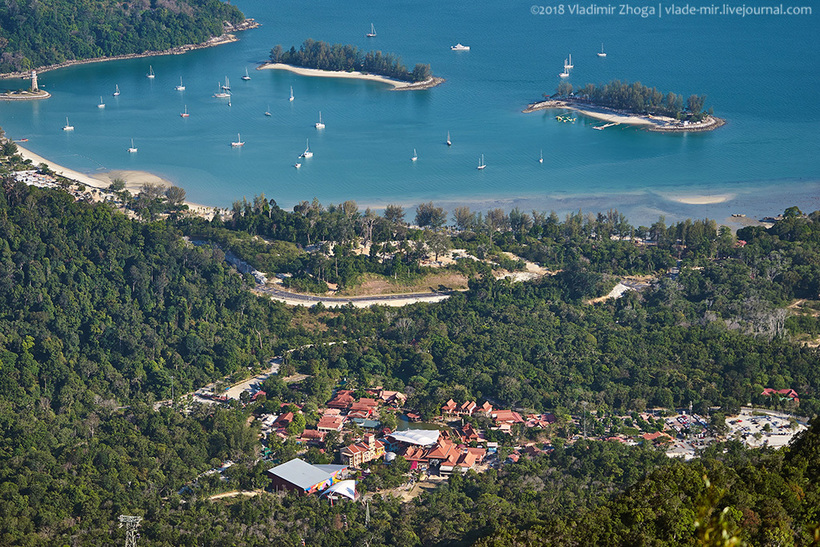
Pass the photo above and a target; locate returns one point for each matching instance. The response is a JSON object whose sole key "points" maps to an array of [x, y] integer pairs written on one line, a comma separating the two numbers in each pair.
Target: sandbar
{"points": [[702, 200], [397, 84]]}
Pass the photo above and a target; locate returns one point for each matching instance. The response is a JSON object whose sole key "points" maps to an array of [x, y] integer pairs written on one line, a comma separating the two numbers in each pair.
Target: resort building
{"points": [[299, 476], [358, 454]]}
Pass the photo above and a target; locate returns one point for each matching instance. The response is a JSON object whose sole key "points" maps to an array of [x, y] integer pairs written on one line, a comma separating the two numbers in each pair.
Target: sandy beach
{"points": [[134, 180], [397, 84], [661, 124]]}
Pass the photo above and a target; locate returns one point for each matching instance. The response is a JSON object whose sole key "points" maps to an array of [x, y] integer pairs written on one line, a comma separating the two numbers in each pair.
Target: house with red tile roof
{"points": [[359, 453], [657, 437], [467, 408], [283, 421], [394, 398], [312, 436], [343, 399], [366, 405], [486, 408], [449, 407], [469, 434], [507, 417], [784, 394], [330, 423]]}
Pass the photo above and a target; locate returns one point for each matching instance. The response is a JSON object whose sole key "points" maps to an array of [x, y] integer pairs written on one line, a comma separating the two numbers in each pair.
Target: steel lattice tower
{"points": [[131, 523]]}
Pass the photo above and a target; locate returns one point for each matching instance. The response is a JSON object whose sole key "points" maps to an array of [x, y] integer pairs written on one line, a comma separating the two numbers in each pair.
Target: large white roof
{"points": [[343, 488], [420, 437], [303, 474]]}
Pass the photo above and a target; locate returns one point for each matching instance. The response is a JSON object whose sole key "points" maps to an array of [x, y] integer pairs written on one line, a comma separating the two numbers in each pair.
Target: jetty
{"points": [[602, 127]]}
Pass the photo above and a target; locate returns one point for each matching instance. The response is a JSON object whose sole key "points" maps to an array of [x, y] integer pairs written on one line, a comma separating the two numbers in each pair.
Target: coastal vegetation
{"points": [[101, 315], [638, 99], [36, 34], [347, 58]]}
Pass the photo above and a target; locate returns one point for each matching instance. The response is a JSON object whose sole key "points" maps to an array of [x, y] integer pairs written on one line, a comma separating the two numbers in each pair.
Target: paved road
{"points": [[388, 299]]}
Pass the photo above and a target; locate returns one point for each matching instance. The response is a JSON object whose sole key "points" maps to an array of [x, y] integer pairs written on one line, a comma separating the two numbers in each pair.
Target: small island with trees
{"points": [[317, 58], [633, 104]]}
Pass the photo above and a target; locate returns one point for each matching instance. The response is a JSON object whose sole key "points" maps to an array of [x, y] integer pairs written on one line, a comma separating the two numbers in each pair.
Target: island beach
{"points": [[398, 85], [609, 115]]}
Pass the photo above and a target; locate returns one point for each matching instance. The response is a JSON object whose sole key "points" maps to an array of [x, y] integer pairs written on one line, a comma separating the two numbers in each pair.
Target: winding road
{"points": [[357, 301]]}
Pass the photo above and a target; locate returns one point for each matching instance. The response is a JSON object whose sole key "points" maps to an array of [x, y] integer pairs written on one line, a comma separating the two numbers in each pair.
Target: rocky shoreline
{"points": [[659, 124], [225, 38]]}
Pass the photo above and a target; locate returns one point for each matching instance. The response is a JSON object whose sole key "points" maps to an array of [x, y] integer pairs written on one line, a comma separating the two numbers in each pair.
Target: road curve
{"points": [[296, 299]]}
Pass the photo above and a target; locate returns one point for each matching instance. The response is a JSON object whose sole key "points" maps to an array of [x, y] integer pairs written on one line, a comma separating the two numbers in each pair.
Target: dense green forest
{"points": [[45, 32], [638, 98], [101, 314], [340, 57]]}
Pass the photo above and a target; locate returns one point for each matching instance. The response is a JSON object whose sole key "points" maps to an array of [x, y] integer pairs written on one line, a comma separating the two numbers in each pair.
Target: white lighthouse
{"points": [[34, 81]]}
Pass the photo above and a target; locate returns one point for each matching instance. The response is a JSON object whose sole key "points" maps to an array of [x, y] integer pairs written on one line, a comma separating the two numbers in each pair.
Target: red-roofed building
{"points": [[784, 394], [441, 452], [362, 452], [312, 436], [657, 437], [364, 405], [469, 434], [394, 398], [283, 421], [449, 407], [330, 423], [507, 417], [466, 409], [343, 399]]}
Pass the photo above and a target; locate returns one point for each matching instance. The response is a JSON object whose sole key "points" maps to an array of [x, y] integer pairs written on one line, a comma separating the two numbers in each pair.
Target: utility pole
{"points": [[131, 523], [367, 515], [172, 392]]}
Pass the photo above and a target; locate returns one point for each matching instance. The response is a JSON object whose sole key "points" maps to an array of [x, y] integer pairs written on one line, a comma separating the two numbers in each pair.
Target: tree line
{"points": [[639, 99], [348, 58]]}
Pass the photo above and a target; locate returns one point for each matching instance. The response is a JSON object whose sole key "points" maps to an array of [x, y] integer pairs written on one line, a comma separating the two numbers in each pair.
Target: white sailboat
{"points": [[569, 64], [185, 113], [150, 72], [319, 124], [67, 126], [219, 93], [102, 104], [267, 112], [481, 164], [307, 153], [180, 87], [246, 77], [602, 54], [415, 156], [564, 74], [372, 33], [116, 90], [541, 159], [227, 85], [133, 148], [291, 93], [238, 141], [448, 141]]}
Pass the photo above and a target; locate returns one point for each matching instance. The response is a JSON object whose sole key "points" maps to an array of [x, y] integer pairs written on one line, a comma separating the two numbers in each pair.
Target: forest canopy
{"points": [[45, 32], [638, 98], [347, 58]]}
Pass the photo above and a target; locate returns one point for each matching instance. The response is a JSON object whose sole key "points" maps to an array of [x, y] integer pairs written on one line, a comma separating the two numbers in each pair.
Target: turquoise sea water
{"points": [[760, 73]]}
